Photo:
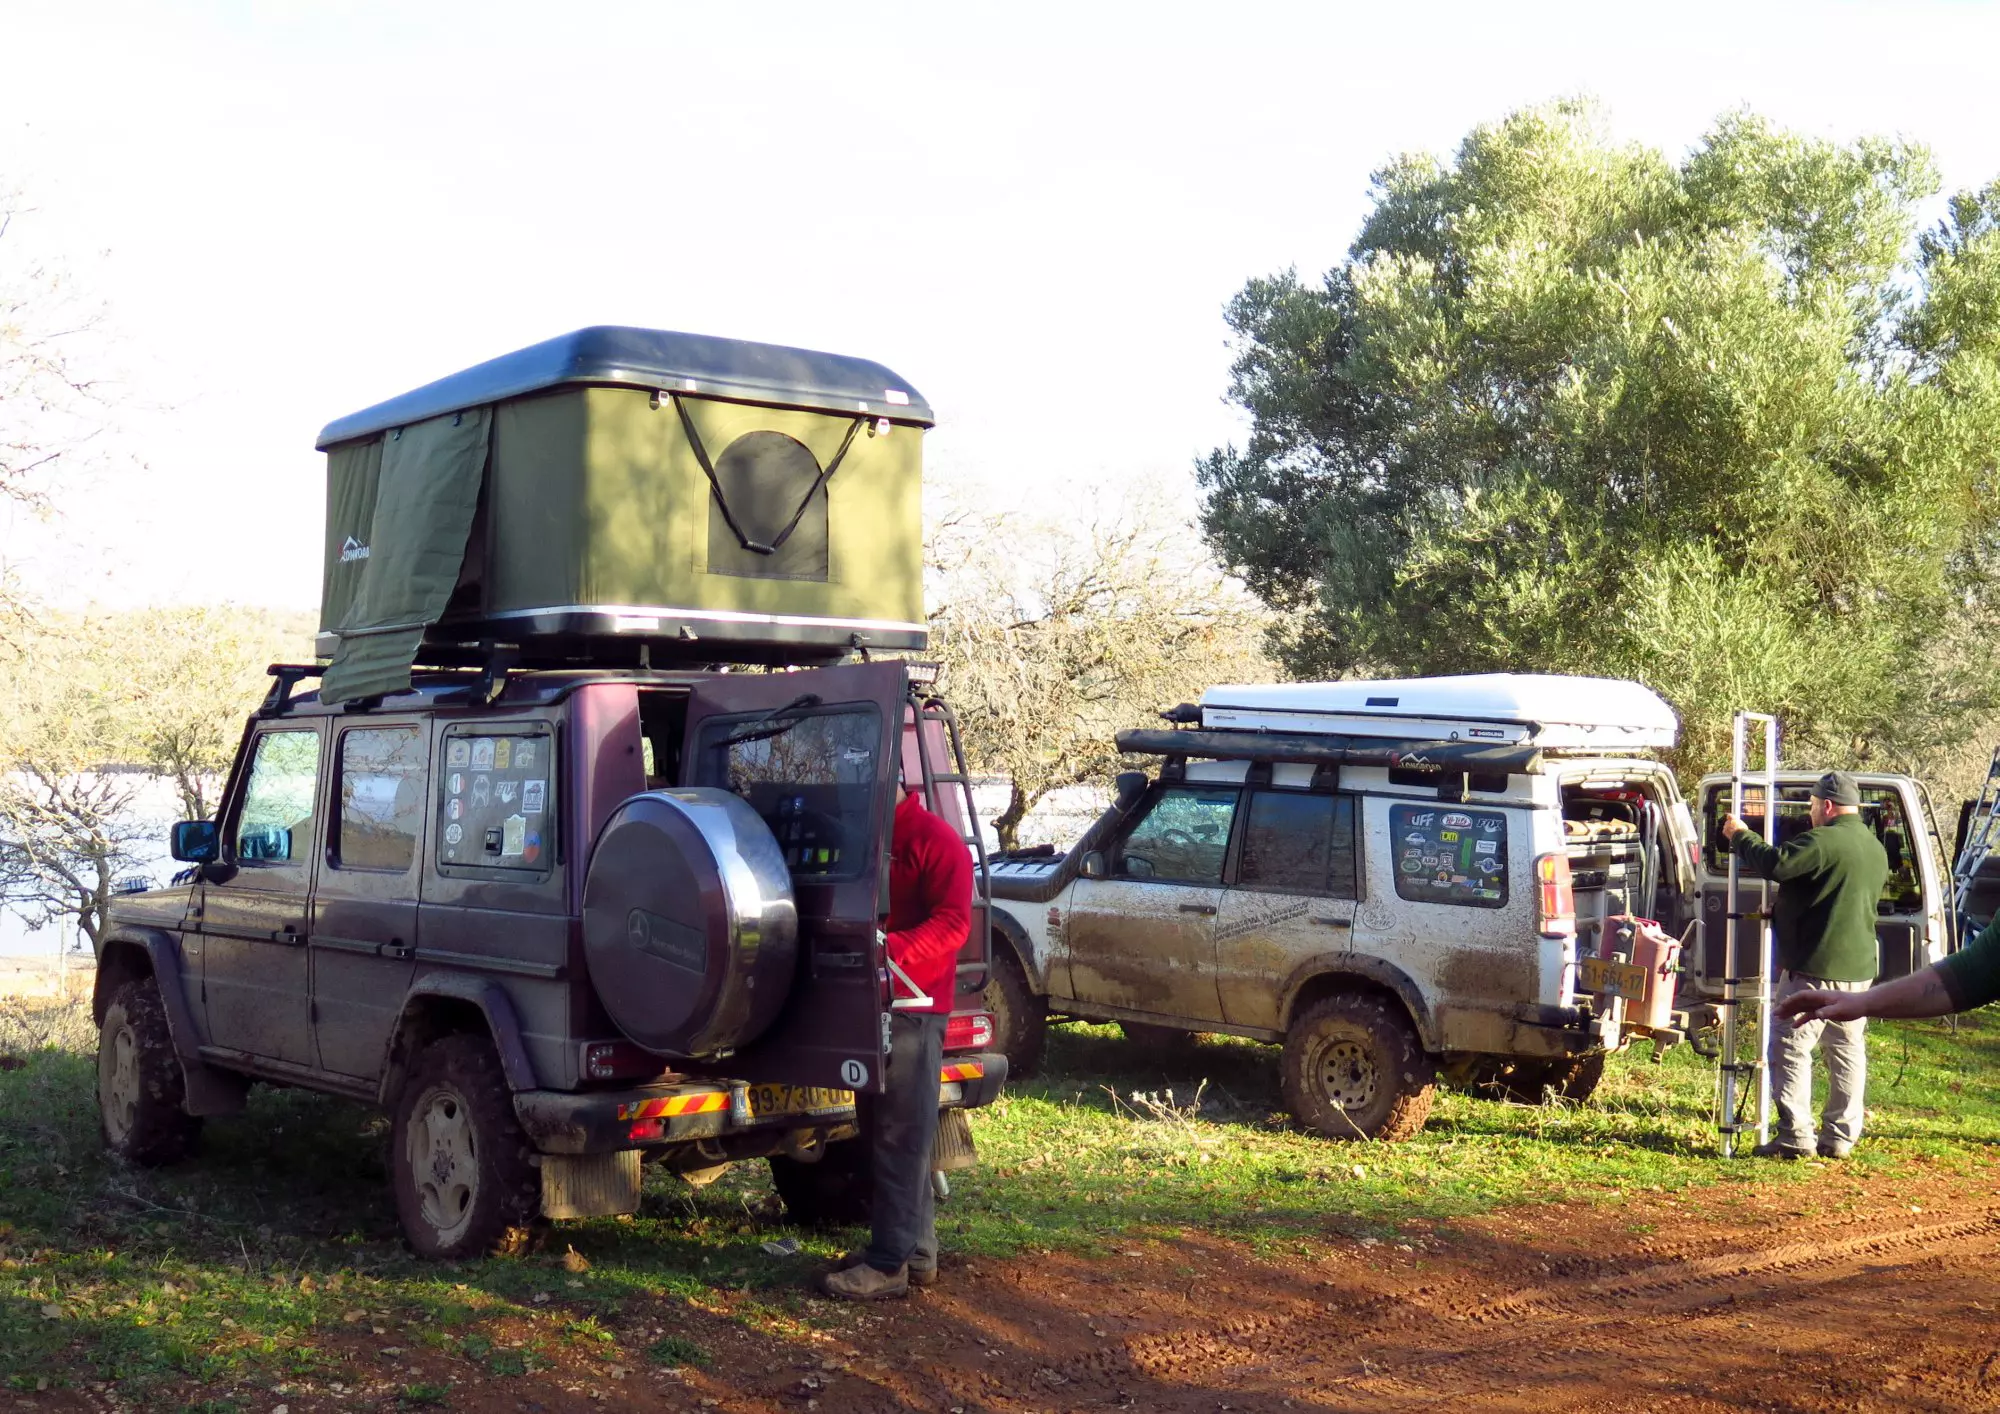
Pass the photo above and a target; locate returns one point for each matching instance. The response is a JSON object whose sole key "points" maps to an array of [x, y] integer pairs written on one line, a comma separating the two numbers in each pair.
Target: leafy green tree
{"points": [[1725, 425]]}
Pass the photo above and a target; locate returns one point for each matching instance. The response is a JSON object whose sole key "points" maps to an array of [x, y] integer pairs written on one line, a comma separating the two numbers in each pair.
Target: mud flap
{"points": [[953, 1147], [590, 1185]]}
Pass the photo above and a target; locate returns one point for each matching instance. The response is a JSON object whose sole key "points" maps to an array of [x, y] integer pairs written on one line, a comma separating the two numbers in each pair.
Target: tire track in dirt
{"points": [[1440, 1341]]}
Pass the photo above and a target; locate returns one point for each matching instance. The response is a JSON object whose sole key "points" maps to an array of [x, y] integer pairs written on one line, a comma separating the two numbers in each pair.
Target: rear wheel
{"points": [[1020, 1018], [464, 1175], [834, 1190], [140, 1088], [1354, 1068]]}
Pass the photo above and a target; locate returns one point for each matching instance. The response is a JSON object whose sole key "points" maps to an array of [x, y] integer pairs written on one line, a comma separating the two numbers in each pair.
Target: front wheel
{"points": [[1354, 1068], [140, 1088], [464, 1175]]}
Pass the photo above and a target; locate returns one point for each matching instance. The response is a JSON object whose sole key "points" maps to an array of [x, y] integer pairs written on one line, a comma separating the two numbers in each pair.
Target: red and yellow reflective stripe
{"points": [[963, 1070], [667, 1106]]}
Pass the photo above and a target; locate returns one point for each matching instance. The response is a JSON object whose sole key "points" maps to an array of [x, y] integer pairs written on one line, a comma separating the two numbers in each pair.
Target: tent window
{"points": [[764, 476]]}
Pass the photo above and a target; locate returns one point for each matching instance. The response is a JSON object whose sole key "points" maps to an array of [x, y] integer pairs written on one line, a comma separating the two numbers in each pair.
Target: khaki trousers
{"points": [[1845, 1045]]}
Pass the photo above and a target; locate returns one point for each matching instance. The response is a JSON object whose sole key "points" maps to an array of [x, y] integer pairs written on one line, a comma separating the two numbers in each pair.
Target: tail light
{"points": [[969, 1031], [1555, 899], [619, 1060]]}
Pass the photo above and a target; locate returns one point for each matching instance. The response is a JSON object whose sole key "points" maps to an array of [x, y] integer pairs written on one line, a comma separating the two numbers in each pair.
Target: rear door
{"points": [[1293, 898], [815, 755]]}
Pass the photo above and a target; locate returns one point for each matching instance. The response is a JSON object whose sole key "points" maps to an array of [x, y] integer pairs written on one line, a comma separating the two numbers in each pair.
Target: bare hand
{"points": [[1732, 827], [1803, 1007]]}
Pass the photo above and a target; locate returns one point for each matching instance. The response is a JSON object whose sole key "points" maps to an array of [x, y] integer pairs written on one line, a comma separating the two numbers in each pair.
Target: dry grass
{"points": [[30, 1023]]}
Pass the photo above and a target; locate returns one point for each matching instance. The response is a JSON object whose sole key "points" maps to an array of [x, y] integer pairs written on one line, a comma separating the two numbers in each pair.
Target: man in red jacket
{"points": [[930, 913]]}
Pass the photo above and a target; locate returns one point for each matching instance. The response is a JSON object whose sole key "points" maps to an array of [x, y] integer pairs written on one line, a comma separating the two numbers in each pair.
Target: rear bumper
{"points": [[604, 1121]]}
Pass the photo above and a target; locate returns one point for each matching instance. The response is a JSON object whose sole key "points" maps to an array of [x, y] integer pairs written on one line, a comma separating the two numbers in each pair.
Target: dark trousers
{"points": [[901, 1126]]}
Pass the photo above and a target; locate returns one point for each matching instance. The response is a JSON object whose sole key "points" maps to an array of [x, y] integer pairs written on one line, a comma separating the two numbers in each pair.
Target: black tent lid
{"points": [[700, 364]]}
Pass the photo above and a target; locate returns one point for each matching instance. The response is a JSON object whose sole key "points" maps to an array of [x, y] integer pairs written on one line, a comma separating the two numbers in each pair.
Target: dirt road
{"points": [[1849, 1294]]}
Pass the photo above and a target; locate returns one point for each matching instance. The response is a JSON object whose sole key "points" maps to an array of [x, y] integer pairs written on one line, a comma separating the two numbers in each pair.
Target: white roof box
{"points": [[1546, 710]]}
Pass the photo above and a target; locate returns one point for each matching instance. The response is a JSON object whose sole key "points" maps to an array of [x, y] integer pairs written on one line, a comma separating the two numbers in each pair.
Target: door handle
{"points": [[288, 934], [1333, 922], [396, 949], [1203, 908]]}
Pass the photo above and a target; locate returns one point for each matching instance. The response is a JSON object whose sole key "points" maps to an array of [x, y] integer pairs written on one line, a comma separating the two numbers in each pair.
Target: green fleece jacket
{"points": [[1829, 880], [1972, 974]]}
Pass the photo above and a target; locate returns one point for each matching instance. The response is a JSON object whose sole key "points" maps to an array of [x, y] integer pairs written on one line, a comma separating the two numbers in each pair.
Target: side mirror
{"points": [[1127, 787], [1093, 865], [195, 842]]}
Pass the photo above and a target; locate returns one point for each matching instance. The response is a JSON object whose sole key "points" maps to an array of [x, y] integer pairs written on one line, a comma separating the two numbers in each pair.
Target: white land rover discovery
{"points": [[1393, 879]]}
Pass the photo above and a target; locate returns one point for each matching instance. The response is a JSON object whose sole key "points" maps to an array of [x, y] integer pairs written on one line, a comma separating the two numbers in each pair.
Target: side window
{"points": [[1299, 843], [1794, 815], [1450, 856], [1183, 838], [381, 798], [275, 825], [496, 798]]}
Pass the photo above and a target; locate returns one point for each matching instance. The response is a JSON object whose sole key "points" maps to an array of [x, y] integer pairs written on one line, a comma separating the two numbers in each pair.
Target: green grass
{"points": [[271, 1262]]}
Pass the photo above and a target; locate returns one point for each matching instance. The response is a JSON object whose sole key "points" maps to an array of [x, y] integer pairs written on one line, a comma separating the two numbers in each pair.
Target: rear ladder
{"points": [[1736, 1073], [935, 712]]}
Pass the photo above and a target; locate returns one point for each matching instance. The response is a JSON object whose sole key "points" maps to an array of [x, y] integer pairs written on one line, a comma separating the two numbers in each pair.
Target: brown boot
{"points": [[922, 1269], [862, 1282]]}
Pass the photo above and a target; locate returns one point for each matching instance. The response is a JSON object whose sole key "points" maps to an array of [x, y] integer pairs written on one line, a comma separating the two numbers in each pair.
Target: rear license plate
{"points": [[769, 1101], [1615, 979]]}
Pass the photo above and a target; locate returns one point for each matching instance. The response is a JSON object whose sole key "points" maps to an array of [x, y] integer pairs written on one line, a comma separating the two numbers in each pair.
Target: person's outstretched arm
{"points": [[1968, 978], [1919, 994]]}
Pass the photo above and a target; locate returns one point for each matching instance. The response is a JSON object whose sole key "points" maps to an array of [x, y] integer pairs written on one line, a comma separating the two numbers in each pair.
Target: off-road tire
{"points": [[1020, 1018], [1353, 1068], [141, 1092], [464, 1175], [836, 1190]]}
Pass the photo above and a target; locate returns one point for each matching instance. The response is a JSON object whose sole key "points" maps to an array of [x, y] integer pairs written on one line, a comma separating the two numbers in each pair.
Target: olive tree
{"points": [[1723, 423]]}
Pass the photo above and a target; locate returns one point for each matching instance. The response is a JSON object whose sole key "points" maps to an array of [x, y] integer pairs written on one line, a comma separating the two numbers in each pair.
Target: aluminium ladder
{"points": [[1982, 833], [1738, 988]]}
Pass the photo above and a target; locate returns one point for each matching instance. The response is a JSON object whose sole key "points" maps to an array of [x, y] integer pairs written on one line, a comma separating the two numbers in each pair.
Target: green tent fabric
{"points": [[425, 494]]}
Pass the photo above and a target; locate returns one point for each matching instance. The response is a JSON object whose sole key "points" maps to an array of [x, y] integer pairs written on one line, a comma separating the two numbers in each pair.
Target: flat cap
{"points": [[1837, 788]]}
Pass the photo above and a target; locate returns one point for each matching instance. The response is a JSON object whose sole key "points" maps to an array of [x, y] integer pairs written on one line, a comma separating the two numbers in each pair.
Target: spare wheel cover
{"points": [[688, 921]]}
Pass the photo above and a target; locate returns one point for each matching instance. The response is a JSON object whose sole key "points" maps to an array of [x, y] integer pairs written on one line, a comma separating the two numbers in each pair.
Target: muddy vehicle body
{"points": [[1433, 884], [534, 862]]}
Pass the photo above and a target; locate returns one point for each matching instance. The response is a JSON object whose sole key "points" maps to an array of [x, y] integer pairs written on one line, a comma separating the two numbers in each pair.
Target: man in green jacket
{"points": [[1829, 879]]}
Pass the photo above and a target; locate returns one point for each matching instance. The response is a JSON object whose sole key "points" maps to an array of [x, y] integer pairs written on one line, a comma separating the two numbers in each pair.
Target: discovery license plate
{"points": [[767, 1101], [1615, 979]]}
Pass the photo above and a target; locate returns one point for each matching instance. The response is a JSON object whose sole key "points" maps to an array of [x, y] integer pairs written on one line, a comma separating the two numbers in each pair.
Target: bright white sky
{"points": [[1033, 213]]}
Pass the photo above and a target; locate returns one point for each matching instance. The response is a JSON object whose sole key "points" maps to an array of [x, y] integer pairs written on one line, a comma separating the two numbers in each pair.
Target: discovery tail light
{"points": [[1555, 899], [969, 1031]]}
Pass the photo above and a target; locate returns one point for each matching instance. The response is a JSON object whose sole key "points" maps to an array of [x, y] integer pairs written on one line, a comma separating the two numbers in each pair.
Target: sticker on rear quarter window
{"points": [[532, 794], [513, 835]]}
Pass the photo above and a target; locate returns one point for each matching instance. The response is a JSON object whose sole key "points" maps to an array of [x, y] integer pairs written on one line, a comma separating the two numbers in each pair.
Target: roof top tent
{"points": [[620, 495], [1542, 710]]}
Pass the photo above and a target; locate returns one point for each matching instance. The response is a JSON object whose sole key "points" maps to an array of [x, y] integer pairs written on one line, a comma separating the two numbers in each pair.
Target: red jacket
{"points": [[930, 902]]}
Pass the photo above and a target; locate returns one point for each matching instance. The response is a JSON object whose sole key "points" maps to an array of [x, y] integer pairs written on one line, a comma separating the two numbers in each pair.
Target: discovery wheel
{"points": [[1353, 1068]]}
